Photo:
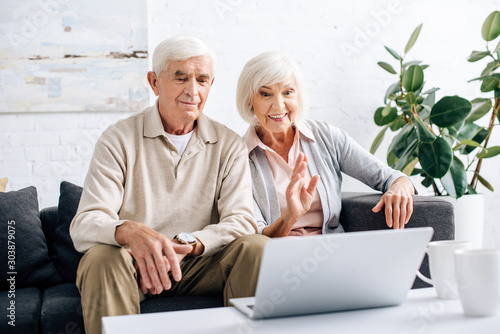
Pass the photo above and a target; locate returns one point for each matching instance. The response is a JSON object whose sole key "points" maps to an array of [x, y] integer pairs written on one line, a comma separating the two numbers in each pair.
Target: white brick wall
{"points": [[336, 43], [44, 149]]}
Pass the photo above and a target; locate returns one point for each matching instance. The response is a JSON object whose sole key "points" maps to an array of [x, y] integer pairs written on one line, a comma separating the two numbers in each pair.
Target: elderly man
{"points": [[168, 191]]}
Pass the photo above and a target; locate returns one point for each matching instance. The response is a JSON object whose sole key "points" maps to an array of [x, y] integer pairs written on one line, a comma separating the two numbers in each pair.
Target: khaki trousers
{"points": [[108, 285]]}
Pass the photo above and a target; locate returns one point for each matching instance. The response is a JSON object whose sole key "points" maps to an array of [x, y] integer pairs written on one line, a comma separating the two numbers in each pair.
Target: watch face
{"points": [[186, 237]]}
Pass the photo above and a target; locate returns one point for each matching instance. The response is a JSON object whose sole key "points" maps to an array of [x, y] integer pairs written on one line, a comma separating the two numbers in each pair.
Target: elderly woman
{"points": [[296, 164]]}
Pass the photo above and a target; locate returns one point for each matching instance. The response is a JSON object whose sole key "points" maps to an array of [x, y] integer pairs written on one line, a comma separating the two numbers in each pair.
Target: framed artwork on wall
{"points": [[73, 56]]}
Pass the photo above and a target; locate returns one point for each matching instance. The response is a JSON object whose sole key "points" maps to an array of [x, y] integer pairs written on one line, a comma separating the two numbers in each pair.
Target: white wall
{"points": [[336, 43]]}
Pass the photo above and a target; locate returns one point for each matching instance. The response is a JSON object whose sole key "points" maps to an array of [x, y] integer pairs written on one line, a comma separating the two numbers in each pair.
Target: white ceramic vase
{"points": [[469, 218]]}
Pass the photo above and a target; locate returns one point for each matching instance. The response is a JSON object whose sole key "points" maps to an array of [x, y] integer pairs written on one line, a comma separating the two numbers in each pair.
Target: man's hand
{"points": [[398, 203], [154, 253]]}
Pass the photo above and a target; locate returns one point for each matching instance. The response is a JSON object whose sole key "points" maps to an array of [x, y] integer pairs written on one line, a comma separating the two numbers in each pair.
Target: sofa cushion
{"points": [[65, 257], [24, 313], [177, 303], [62, 310], [21, 234], [48, 216]]}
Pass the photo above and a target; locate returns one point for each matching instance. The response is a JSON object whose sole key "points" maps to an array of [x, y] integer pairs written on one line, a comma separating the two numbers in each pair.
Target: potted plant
{"points": [[490, 83], [440, 141]]}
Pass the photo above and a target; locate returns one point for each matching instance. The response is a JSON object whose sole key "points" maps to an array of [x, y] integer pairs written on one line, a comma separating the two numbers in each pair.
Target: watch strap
{"points": [[191, 253]]}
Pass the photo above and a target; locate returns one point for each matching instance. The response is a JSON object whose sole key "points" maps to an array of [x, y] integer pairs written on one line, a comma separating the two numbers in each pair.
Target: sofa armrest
{"points": [[357, 215], [430, 211], [48, 216]]}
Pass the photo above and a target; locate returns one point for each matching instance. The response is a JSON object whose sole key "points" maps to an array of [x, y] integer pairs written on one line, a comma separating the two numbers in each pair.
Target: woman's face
{"points": [[275, 106]]}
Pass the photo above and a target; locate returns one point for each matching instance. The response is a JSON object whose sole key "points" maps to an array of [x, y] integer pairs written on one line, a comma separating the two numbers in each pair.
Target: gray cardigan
{"points": [[331, 153]]}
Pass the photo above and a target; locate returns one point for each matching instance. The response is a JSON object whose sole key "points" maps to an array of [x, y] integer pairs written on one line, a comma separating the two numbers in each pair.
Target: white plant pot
{"points": [[469, 218]]}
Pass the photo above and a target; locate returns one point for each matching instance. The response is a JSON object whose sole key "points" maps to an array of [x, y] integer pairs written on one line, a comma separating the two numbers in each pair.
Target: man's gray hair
{"points": [[267, 69], [180, 48]]}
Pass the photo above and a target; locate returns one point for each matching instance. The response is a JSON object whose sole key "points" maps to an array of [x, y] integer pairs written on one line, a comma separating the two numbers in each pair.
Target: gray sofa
{"points": [[46, 298]]}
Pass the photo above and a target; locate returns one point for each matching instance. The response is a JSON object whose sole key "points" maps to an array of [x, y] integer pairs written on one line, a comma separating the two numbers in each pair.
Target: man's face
{"points": [[183, 90]]}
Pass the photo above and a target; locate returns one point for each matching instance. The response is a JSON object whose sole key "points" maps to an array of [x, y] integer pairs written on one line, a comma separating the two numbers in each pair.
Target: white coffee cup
{"points": [[442, 267], [478, 278]]}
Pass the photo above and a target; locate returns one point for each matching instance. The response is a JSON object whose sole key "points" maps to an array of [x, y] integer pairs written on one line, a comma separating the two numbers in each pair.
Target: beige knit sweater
{"points": [[136, 174]]}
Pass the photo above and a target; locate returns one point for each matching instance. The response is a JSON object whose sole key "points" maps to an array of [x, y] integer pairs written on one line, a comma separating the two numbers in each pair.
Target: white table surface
{"points": [[422, 312]]}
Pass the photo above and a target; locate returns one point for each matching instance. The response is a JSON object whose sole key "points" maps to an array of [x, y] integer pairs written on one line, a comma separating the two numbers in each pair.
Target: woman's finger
{"points": [[312, 184]]}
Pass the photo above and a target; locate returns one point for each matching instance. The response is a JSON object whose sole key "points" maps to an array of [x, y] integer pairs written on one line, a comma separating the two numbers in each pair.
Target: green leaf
{"points": [[402, 140], [430, 91], [398, 124], [410, 63], [417, 171], [413, 78], [429, 101], [407, 156], [423, 112], [387, 67], [450, 110], [435, 158], [497, 48], [477, 55], [469, 143], [424, 134], [455, 181], [418, 92], [491, 26], [393, 89], [480, 99], [393, 53], [391, 159], [406, 108], [410, 98], [427, 181], [489, 84], [497, 93], [485, 183], [451, 131], [490, 67], [413, 38], [479, 109], [471, 190], [489, 152], [401, 102], [387, 110], [382, 120], [468, 131], [424, 107], [489, 76], [410, 167], [473, 132], [378, 140], [479, 137]]}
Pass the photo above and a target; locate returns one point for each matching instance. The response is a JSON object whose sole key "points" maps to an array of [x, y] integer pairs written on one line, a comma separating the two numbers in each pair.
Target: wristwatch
{"points": [[187, 239]]}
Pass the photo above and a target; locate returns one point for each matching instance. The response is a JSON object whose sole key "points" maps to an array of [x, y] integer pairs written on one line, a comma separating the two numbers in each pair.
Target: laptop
{"points": [[336, 272]]}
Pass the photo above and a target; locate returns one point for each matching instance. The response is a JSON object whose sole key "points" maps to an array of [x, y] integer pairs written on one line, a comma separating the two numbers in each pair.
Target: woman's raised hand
{"points": [[299, 196], [298, 199]]}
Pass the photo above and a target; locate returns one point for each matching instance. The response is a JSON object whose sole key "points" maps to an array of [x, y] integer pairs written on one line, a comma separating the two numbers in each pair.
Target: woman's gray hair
{"points": [[267, 69], [180, 48]]}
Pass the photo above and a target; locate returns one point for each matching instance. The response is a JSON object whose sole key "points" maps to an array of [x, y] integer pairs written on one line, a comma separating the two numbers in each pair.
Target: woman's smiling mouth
{"points": [[277, 117]]}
